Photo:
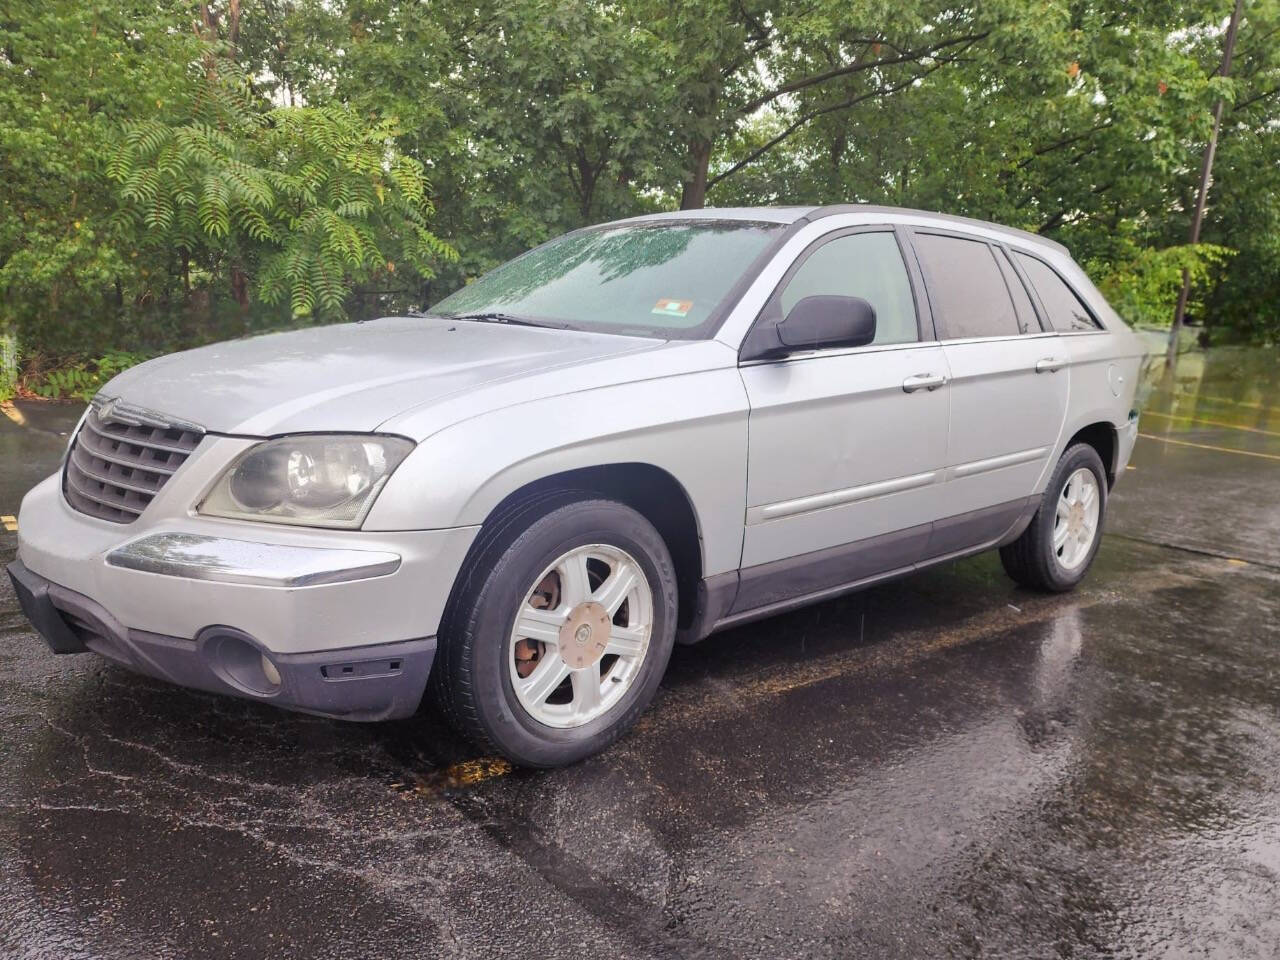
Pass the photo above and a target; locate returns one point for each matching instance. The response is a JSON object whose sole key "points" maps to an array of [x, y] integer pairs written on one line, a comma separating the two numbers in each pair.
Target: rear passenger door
{"points": [[1008, 387]]}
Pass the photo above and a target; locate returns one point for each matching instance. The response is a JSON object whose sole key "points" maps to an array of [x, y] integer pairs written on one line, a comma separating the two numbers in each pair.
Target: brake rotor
{"points": [[546, 596]]}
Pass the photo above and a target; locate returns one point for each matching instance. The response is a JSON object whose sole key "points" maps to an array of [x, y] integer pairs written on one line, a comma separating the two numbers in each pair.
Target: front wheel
{"points": [[1057, 548], [560, 632]]}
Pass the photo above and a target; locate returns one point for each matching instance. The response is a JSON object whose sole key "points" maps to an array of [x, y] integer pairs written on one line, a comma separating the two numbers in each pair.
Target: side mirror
{"points": [[818, 322], [814, 323]]}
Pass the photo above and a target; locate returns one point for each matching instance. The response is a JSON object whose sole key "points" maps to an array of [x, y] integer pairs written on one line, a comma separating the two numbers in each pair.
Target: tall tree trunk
{"points": [[587, 177], [1206, 176], [693, 196], [240, 289]]}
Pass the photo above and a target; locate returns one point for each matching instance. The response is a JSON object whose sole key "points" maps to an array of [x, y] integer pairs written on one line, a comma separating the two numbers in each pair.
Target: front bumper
{"points": [[374, 682], [162, 594], [299, 613]]}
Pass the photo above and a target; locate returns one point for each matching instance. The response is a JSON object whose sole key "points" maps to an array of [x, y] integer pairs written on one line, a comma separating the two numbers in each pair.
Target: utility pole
{"points": [[1206, 174]]}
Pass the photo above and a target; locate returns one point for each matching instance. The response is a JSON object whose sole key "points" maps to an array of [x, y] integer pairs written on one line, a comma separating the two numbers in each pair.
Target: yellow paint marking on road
{"points": [[1212, 423], [1226, 400], [9, 523], [1209, 446], [13, 413]]}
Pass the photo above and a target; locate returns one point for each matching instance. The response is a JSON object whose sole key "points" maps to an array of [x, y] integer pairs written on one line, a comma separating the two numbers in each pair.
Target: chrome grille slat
{"points": [[115, 467], [100, 497], [91, 443], [109, 476], [138, 436]]}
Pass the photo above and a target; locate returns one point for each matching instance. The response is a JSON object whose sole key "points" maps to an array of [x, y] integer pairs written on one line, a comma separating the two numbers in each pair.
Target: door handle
{"points": [[1049, 364], [923, 381]]}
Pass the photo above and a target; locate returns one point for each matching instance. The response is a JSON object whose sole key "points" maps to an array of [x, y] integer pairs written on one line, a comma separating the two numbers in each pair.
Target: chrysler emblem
{"points": [[115, 410]]}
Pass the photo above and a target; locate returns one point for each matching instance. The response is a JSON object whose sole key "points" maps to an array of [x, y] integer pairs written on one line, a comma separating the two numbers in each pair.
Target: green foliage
{"points": [[8, 366], [178, 173], [1145, 289], [71, 69], [156, 197], [305, 201], [80, 381]]}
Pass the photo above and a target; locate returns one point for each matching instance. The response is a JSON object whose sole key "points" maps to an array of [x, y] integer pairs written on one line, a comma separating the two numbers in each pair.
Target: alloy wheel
{"points": [[581, 635]]}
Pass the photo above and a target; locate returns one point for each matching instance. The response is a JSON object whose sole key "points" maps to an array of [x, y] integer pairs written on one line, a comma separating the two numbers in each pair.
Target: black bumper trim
{"points": [[381, 681], [33, 598]]}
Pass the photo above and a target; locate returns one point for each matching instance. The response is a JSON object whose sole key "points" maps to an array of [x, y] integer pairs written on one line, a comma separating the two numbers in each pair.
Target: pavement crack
{"points": [[1197, 551]]}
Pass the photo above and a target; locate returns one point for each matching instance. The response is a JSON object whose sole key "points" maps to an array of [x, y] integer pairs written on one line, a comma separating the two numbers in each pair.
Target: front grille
{"points": [[121, 458]]}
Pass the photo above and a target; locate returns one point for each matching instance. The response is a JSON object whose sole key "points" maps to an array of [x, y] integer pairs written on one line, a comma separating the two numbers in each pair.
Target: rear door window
{"points": [[966, 288], [1066, 311], [866, 265]]}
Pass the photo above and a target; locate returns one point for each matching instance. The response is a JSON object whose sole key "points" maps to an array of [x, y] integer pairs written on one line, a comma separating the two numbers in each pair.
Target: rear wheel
{"points": [[560, 632], [1056, 550]]}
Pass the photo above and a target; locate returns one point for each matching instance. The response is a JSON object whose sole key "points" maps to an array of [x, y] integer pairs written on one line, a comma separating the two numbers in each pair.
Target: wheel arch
{"points": [[1104, 438], [652, 492]]}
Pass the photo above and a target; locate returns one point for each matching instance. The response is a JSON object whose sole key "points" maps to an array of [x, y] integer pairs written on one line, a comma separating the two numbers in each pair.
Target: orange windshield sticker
{"points": [[673, 308]]}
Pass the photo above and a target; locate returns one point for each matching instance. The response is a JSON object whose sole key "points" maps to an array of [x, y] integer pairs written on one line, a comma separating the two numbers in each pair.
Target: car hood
{"points": [[349, 377]]}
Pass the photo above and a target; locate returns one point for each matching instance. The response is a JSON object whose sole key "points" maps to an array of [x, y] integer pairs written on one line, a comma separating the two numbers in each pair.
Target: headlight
{"points": [[313, 480]]}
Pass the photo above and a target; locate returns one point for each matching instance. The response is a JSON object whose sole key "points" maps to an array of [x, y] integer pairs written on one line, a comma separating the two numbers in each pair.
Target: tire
{"points": [[1034, 560], [476, 681]]}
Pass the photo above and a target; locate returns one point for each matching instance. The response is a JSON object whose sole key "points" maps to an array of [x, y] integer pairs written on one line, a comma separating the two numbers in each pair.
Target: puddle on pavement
{"points": [[1229, 387]]}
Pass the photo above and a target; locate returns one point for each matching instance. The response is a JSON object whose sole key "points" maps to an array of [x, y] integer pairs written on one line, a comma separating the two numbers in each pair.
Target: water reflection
{"points": [[1231, 386]]}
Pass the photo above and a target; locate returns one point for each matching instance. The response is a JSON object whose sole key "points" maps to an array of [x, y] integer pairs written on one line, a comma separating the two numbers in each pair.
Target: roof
{"points": [[795, 214], [765, 214]]}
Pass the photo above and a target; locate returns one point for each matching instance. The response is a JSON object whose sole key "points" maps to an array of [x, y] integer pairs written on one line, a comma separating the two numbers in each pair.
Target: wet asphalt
{"points": [[947, 765]]}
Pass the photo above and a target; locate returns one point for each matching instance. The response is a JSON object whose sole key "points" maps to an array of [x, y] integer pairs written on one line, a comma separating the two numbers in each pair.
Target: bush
{"points": [[1144, 289], [80, 381], [8, 366]]}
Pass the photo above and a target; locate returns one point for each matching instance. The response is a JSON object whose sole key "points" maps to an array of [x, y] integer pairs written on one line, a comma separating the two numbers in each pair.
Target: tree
{"points": [[176, 172], [72, 72], [733, 60], [149, 181], [301, 202]]}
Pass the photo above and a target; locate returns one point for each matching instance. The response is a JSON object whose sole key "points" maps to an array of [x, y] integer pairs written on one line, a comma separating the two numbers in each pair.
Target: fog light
{"points": [[239, 661]]}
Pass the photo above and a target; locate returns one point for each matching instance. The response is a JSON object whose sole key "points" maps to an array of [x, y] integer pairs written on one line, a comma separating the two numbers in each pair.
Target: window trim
{"points": [[1035, 294], [1004, 257], [771, 312]]}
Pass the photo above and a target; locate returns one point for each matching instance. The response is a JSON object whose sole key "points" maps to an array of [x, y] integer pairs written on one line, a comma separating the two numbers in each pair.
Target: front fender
{"points": [[692, 425]]}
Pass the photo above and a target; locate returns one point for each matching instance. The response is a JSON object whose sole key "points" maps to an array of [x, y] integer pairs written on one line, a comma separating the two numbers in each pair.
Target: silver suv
{"points": [[632, 436]]}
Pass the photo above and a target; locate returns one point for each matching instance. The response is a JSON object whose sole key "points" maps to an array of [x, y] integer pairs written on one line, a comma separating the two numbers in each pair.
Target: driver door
{"points": [[848, 446]]}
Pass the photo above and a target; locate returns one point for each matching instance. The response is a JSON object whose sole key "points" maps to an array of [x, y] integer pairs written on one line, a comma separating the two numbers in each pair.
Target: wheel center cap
{"points": [[584, 635], [1077, 518]]}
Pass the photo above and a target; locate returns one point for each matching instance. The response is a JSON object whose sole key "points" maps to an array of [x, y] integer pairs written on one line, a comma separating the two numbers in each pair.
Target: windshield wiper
{"points": [[493, 316]]}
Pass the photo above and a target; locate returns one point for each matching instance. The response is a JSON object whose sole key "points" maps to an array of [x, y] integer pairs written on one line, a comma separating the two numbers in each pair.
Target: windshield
{"points": [[653, 280]]}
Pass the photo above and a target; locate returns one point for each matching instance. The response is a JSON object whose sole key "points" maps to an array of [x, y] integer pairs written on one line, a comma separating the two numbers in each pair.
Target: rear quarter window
{"points": [[1066, 311]]}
